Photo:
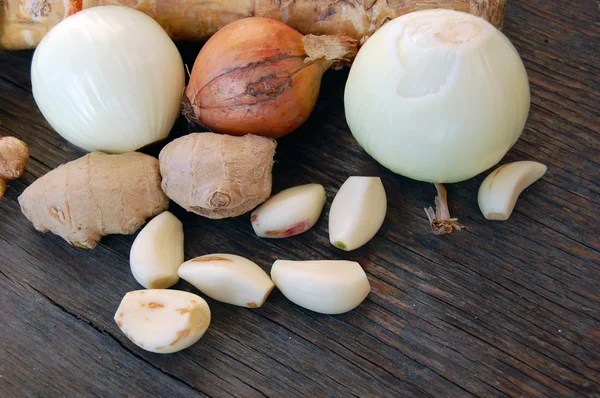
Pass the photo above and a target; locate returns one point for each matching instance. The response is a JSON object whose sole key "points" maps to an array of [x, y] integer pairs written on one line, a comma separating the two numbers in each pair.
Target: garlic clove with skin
{"points": [[289, 212], [357, 212], [500, 190], [228, 278], [157, 252], [327, 287], [163, 321]]}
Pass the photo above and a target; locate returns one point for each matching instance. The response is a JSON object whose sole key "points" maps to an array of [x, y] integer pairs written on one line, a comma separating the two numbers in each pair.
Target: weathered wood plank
{"points": [[503, 309], [77, 359]]}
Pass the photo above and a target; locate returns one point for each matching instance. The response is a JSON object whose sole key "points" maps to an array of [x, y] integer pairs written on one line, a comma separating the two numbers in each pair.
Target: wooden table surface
{"points": [[505, 308]]}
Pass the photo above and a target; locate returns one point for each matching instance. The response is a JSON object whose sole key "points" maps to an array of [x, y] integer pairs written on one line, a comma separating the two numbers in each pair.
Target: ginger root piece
{"points": [[25, 22], [218, 176], [94, 196], [14, 155]]}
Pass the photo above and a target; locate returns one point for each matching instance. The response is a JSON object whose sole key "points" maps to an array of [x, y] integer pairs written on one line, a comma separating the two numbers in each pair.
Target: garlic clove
{"points": [[500, 190], [163, 321], [328, 287], [289, 212], [157, 252], [228, 278], [357, 212]]}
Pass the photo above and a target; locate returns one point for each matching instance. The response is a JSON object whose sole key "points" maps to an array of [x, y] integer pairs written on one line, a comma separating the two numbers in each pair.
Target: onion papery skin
{"points": [[251, 78], [109, 79], [437, 96]]}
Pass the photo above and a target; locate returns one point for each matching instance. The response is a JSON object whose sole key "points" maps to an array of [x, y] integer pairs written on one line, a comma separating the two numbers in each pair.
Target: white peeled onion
{"points": [[108, 79], [437, 96]]}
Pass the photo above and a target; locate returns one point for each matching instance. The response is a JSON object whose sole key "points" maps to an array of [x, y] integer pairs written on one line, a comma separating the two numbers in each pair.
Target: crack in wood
{"points": [[113, 338], [531, 283]]}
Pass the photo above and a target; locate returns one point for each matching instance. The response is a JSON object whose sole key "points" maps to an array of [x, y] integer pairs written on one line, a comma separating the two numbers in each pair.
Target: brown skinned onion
{"points": [[259, 76]]}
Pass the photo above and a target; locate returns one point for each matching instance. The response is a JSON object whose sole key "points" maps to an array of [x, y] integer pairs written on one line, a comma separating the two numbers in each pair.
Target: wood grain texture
{"points": [[503, 309]]}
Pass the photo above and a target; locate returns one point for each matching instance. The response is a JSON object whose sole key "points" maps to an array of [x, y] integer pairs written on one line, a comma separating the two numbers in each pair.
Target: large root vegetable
{"points": [[14, 155], [218, 176], [25, 22], [94, 196]]}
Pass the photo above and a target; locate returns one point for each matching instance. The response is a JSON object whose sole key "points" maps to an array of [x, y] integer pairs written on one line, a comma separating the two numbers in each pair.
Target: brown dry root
{"points": [[94, 196], [339, 50], [14, 155], [218, 176], [440, 220], [25, 22]]}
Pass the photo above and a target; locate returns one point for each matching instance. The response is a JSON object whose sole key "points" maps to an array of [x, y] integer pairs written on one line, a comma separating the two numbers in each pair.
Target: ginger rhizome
{"points": [[94, 196], [14, 155], [218, 176], [25, 22]]}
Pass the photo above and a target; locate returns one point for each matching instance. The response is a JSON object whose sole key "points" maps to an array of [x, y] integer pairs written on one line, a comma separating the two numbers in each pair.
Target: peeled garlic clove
{"points": [[328, 287], [500, 190], [157, 252], [228, 278], [163, 321], [289, 212], [357, 212]]}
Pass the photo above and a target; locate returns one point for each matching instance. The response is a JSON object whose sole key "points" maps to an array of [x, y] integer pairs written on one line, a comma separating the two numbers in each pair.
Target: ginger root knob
{"points": [[94, 196], [218, 176], [14, 155]]}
